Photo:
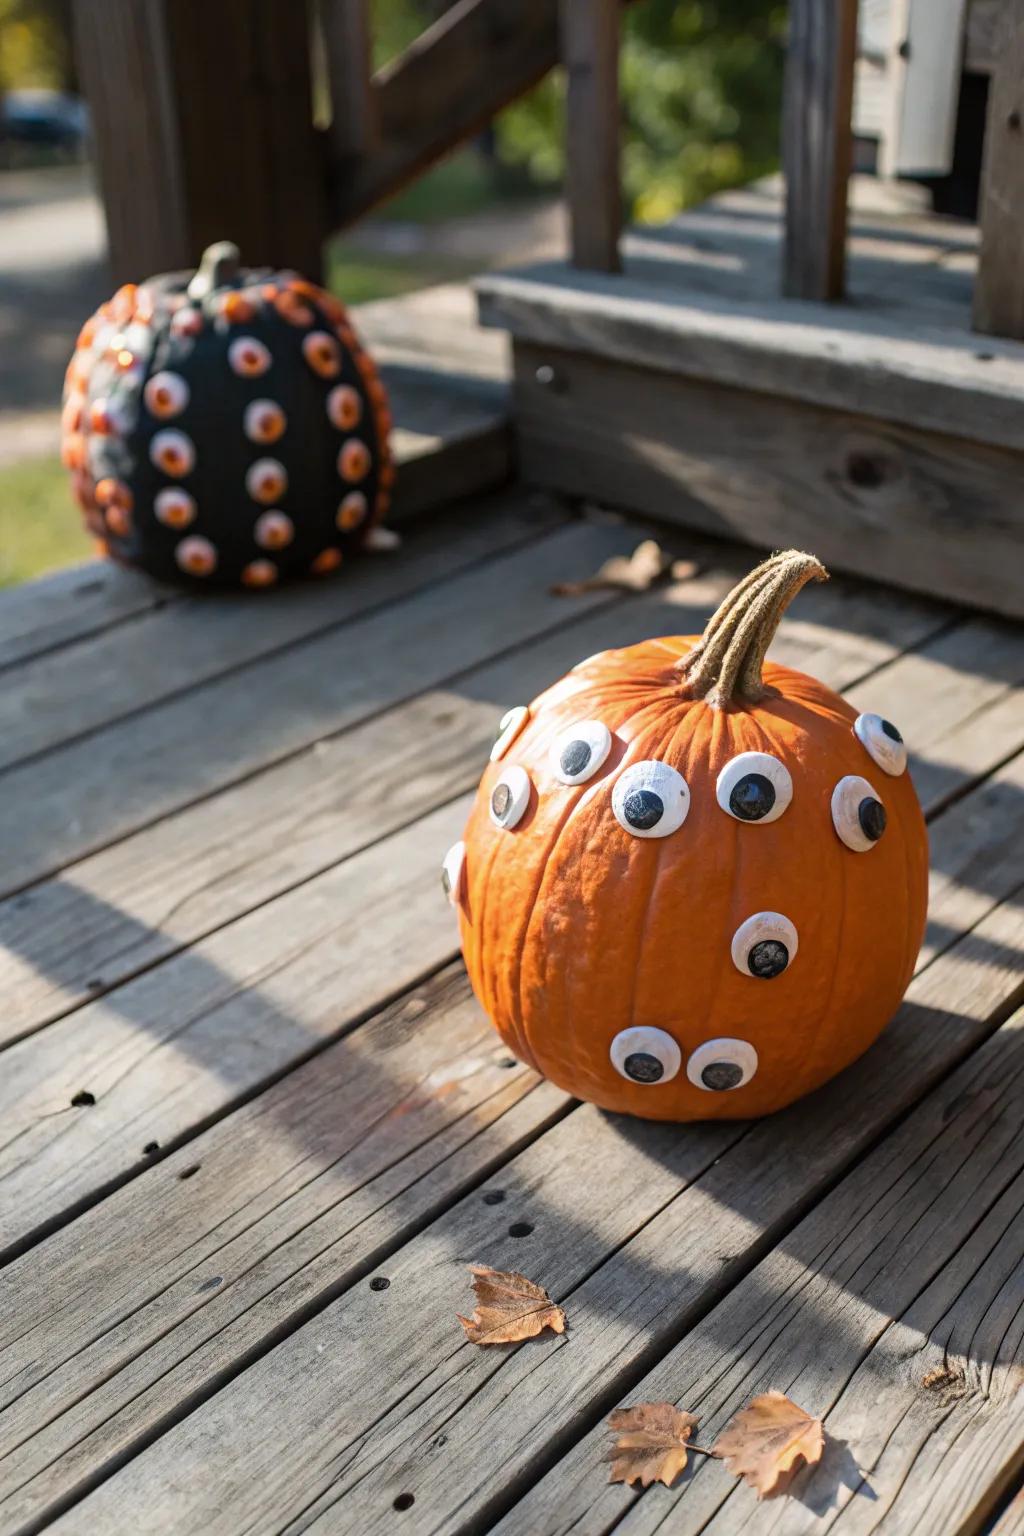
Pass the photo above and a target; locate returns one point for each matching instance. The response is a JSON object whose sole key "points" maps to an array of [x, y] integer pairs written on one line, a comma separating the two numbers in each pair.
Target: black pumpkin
{"points": [[226, 426]]}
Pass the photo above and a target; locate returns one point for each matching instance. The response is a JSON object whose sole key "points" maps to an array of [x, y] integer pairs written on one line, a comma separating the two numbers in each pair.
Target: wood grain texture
{"points": [[817, 145], [295, 1197], [68, 605], [113, 914], [1011, 1521], [607, 1202], [70, 803], [936, 515], [890, 1310], [348, 41], [999, 290], [589, 38]]}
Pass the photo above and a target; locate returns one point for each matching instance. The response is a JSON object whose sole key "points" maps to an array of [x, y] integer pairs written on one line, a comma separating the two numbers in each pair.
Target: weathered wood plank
{"points": [[999, 288], [937, 515], [296, 1196], [605, 1202], [817, 143], [134, 903], [589, 36], [1011, 1521], [70, 803], [911, 1267], [69, 605]]}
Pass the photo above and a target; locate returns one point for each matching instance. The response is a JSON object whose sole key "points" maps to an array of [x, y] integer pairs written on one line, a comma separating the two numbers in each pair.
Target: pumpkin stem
{"points": [[725, 666], [219, 265]]}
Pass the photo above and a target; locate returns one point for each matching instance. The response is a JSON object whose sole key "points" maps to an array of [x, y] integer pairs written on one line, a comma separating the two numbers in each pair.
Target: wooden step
{"points": [[882, 432]]}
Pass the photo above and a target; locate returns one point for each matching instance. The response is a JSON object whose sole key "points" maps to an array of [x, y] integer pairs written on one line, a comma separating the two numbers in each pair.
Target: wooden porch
{"points": [[255, 1127]]}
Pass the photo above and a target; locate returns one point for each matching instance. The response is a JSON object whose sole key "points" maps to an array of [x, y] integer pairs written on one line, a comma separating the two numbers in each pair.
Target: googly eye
{"points": [[266, 480], [857, 813], [645, 1055], [650, 799], [248, 357], [754, 786], [453, 873], [509, 726], [764, 945], [721, 1065], [326, 561], [883, 743], [273, 530], [344, 407], [354, 460], [259, 573], [510, 797], [173, 452], [174, 508], [196, 556], [188, 322], [166, 395], [322, 353], [580, 751], [263, 421], [352, 511]]}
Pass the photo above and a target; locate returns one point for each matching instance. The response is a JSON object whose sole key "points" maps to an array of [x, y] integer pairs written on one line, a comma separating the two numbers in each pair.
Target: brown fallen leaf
{"points": [[509, 1308], [650, 1444], [637, 572], [768, 1442]]}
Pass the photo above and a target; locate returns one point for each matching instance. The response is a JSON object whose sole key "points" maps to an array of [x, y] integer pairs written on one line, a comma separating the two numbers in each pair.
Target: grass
{"points": [[40, 527]]}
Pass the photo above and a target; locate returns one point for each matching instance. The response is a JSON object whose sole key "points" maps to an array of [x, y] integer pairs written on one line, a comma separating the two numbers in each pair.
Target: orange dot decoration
{"points": [[225, 427]]}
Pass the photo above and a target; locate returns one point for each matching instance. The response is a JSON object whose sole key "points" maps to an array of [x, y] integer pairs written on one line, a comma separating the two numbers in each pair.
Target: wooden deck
{"points": [[253, 1126]]}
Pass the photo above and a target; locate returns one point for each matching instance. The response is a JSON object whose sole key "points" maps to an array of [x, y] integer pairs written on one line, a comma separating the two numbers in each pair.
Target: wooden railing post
{"points": [[817, 145], [590, 50], [348, 45], [999, 287], [203, 126]]}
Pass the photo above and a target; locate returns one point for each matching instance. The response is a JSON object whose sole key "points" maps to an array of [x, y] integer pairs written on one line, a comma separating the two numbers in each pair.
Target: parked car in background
{"points": [[33, 121]]}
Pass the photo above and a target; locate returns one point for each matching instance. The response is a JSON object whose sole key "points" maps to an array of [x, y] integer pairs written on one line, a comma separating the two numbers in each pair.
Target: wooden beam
{"points": [[348, 46], [204, 130], [817, 145], [474, 60], [999, 288], [590, 51]]}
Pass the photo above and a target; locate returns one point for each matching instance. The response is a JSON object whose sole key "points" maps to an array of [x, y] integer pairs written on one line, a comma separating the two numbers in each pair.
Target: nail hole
{"points": [[186, 1173], [863, 470], [1013, 121], [150, 1148], [506, 1062], [379, 1283], [212, 1283], [494, 1197], [985, 357], [520, 1229], [404, 1501], [96, 985], [83, 1099]]}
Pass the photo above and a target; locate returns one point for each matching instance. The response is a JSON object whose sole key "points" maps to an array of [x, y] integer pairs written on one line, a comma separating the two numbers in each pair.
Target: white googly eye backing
{"points": [[857, 813], [645, 1055], [765, 945], [719, 1066], [453, 873], [166, 395], [509, 726], [510, 797], [882, 742], [755, 787], [650, 799], [580, 751]]}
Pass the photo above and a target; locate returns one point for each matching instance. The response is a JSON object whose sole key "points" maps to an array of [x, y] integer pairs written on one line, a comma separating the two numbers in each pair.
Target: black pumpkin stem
{"points": [[725, 666]]}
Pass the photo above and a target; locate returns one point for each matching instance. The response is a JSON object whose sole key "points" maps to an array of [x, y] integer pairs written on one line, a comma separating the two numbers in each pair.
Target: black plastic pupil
{"points": [[769, 958], [752, 797], [891, 731], [871, 815], [575, 758], [446, 882], [721, 1075], [643, 809], [642, 1067], [501, 800]]}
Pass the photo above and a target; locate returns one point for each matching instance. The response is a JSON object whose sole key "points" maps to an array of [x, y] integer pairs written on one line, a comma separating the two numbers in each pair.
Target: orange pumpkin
{"points": [[693, 884]]}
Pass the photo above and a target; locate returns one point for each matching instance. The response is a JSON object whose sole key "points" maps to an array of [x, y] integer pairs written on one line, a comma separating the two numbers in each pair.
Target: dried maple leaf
{"points": [[650, 1443], [637, 572], [768, 1442], [509, 1308]]}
